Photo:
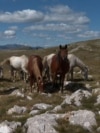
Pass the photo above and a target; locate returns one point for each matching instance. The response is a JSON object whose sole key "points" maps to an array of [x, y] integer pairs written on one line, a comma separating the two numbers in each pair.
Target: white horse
{"points": [[46, 65], [16, 63], [74, 62]]}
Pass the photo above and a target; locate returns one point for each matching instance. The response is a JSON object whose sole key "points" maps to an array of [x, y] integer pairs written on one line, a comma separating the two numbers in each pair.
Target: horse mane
{"points": [[58, 56], [36, 68]]}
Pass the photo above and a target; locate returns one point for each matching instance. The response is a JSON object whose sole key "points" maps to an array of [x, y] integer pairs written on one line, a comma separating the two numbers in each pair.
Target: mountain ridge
{"points": [[17, 47]]}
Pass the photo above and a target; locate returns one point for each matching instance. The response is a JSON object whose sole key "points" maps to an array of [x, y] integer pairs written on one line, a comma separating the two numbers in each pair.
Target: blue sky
{"points": [[48, 22]]}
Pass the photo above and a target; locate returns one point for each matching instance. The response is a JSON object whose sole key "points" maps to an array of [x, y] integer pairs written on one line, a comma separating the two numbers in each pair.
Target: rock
{"points": [[9, 127], [17, 109], [17, 93], [41, 124], [98, 100], [57, 108], [29, 98], [34, 112], [96, 91], [76, 97], [41, 106], [84, 118]]}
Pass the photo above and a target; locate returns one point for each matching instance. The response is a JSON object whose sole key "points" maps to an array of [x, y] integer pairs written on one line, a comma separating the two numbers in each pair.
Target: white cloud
{"points": [[61, 18], [60, 21], [89, 34], [56, 27], [9, 34], [21, 16], [63, 13]]}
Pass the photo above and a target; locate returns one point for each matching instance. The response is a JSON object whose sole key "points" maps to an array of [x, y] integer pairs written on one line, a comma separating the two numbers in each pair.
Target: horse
{"points": [[35, 69], [46, 66], [59, 66], [16, 63], [76, 62]]}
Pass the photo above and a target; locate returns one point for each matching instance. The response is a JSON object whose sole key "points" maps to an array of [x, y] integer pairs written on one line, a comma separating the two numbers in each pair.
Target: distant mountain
{"points": [[17, 47]]}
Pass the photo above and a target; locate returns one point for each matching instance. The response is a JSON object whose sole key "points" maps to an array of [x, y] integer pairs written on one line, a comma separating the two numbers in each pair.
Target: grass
{"points": [[91, 58], [65, 127]]}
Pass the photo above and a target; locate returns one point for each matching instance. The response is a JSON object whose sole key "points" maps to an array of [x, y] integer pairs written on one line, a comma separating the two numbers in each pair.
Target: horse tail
{"points": [[6, 61]]}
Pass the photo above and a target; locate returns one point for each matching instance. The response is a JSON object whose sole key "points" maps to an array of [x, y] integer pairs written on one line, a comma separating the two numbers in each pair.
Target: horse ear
{"points": [[66, 46], [60, 46]]}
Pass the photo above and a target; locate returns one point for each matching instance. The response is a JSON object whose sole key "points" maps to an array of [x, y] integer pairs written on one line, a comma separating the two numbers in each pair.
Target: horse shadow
{"points": [[8, 91], [74, 86], [50, 87]]}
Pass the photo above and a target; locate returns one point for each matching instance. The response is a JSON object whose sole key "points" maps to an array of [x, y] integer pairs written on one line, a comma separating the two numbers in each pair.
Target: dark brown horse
{"points": [[35, 69], [59, 66]]}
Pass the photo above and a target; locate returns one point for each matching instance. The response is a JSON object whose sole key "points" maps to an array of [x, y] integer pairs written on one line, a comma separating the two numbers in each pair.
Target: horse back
{"points": [[35, 64]]}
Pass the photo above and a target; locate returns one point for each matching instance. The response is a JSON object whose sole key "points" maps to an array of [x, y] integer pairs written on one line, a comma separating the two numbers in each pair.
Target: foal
{"points": [[35, 69], [59, 66]]}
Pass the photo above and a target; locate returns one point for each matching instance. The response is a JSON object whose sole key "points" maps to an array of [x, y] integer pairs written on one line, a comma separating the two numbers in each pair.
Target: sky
{"points": [[48, 23]]}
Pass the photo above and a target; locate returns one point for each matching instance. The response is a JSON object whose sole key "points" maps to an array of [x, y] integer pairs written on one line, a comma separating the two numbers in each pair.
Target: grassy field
{"points": [[88, 51]]}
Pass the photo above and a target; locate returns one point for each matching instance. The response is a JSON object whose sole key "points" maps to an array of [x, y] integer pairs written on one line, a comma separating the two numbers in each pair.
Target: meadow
{"points": [[87, 51]]}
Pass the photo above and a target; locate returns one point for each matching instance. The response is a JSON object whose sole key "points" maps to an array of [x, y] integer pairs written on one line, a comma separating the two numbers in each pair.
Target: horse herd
{"points": [[50, 68]]}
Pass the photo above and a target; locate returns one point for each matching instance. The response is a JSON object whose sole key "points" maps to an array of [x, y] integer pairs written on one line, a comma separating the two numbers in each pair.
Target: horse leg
{"points": [[71, 72], [62, 82], [24, 73], [31, 83], [12, 74]]}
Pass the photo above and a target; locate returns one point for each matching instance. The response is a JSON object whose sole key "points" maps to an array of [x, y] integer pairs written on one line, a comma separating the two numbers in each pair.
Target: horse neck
{"points": [[80, 64], [59, 58], [37, 70]]}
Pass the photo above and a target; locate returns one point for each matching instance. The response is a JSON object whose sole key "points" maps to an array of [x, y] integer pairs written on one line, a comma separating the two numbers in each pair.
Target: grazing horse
{"points": [[59, 66], [16, 63], [76, 62], [35, 68]]}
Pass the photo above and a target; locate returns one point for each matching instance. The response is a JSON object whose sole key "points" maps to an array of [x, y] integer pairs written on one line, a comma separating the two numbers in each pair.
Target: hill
{"points": [[79, 106], [17, 47]]}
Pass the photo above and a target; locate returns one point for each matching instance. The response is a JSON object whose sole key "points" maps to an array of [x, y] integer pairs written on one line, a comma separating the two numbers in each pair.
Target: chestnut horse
{"points": [[35, 69], [59, 66]]}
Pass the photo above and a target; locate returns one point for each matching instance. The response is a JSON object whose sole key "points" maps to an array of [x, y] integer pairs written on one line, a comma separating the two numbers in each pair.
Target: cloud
{"points": [[89, 34], [56, 27], [60, 22], [21, 16], [63, 13], [9, 34], [61, 18]]}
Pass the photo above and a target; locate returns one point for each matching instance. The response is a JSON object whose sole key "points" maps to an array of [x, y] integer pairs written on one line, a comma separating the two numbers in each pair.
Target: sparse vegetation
{"points": [[88, 51]]}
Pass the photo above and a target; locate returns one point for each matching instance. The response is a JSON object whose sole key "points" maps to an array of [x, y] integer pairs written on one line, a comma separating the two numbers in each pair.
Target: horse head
{"points": [[40, 84], [63, 52], [85, 73]]}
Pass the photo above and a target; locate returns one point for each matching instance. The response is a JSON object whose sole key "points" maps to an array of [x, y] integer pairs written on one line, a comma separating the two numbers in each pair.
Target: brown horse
{"points": [[59, 66], [35, 69]]}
